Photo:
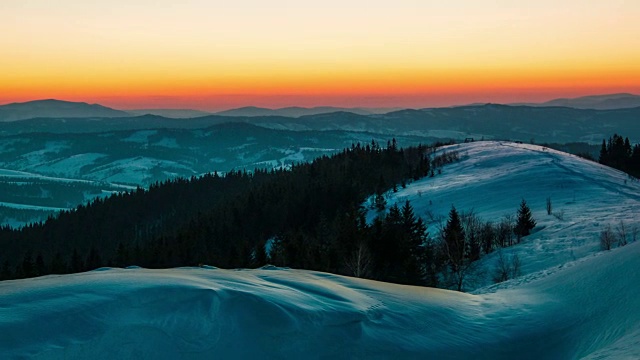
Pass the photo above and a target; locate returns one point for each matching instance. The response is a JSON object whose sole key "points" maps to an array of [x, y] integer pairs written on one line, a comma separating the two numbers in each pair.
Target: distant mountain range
{"points": [[58, 109], [65, 109], [597, 102], [171, 113], [302, 111], [54, 109], [524, 123]]}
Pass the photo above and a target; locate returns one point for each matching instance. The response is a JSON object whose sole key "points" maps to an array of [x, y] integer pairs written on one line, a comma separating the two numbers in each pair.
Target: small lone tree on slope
{"points": [[525, 221]]}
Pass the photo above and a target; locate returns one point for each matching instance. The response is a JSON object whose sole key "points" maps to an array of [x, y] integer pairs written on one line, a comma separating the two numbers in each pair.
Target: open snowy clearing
{"points": [[492, 178], [586, 310]]}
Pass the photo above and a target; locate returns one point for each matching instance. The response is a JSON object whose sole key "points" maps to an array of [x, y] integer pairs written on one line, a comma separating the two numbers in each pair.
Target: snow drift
{"points": [[587, 309]]}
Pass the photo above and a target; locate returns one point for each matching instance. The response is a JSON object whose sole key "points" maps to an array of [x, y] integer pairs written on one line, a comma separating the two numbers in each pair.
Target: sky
{"points": [[214, 55]]}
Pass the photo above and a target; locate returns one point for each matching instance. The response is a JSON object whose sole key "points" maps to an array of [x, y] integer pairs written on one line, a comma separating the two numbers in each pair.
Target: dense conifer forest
{"points": [[618, 153], [311, 216], [308, 214]]}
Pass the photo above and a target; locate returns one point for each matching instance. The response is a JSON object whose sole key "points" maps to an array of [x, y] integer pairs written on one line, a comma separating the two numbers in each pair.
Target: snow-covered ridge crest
{"points": [[493, 177]]}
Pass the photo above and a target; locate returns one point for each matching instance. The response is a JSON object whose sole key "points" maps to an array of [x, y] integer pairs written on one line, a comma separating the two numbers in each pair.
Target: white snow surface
{"points": [[493, 177], [588, 310], [572, 302], [70, 166]]}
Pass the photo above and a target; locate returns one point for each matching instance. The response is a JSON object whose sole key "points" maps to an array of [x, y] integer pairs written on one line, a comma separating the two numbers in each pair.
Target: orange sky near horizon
{"points": [[212, 55]]}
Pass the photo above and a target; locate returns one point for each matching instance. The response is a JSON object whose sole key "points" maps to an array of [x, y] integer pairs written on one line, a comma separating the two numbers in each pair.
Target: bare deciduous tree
{"points": [[505, 231], [621, 232], [559, 215], [506, 267], [472, 225], [607, 238], [359, 264]]}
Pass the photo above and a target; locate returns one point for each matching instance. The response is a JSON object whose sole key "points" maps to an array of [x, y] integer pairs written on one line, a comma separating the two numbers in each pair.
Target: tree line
{"points": [[618, 153], [310, 217], [226, 220]]}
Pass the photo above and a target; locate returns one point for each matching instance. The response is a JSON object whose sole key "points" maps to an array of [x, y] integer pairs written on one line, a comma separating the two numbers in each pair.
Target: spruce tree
{"points": [[58, 265], [525, 220], [94, 260], [122, 255], [454, 238], [5, 273], [76, 265], [604, 158], [40, 268], [415, 237], [28, 267]]}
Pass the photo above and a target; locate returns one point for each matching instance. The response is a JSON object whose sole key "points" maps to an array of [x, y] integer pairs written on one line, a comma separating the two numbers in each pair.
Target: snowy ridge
{"points": [[587, 310], [493, 177]]}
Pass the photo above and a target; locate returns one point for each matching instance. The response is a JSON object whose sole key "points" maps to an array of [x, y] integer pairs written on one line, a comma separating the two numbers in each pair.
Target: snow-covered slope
{"points": [[586, 310], [492, 178], [572, 302]]}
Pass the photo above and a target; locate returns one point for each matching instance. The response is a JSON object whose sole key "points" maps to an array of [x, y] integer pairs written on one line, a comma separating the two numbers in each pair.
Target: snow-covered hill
{"points": [[586, 310], [492, 178], [572, 301], [144, 157]]}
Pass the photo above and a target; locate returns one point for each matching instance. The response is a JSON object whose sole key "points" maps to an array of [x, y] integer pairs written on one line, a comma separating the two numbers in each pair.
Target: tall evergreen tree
{"points": [[94, 260], [5, 272], [58, 265], [604, 154], [40, 267], [525, 221], [415, 238], [122, 255], [28, 267], [454, 239], [76, 265]]}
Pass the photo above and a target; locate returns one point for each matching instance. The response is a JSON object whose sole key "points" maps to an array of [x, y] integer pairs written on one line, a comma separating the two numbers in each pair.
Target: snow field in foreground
{"points": [[587, 309]]}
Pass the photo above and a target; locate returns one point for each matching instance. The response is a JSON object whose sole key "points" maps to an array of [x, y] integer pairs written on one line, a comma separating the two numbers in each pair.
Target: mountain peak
{"points": [[53, 108]]}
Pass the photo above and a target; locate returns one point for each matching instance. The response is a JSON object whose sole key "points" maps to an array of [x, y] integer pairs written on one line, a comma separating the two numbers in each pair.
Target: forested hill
{"points": [[222, 220]]}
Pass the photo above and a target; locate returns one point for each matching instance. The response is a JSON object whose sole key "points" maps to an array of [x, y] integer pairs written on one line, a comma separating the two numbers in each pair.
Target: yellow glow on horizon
{"points": [[145, 48]]}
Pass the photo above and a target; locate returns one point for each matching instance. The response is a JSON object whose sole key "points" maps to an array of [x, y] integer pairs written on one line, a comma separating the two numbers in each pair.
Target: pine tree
{"points": [[28, 267], [414, 227], [5, 273], [58, 265], [40, 267], [122, 255], [454, 238], [525, 221], [93, 259], [76, 265], [260, 255], [414, 252], [604, 154], [277, 254]]}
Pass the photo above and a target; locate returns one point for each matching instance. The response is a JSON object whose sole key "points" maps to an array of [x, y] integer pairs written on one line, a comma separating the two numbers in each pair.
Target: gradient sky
{"points": [[210, 54]]}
